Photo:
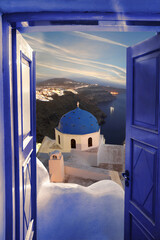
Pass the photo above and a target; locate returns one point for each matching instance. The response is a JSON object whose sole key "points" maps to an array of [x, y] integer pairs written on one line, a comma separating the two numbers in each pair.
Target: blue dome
{"points": [[78, 122]]}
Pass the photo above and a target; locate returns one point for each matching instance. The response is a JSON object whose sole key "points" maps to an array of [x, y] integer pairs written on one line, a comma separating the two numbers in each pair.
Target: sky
{"points": [[94, 57]]}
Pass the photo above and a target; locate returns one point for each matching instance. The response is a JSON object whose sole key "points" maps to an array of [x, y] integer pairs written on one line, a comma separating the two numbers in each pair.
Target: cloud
{"points": [[43, 75], [90, 63], [100, 39], [98, 75], [61, 54], [47, 43], [93, 68]]}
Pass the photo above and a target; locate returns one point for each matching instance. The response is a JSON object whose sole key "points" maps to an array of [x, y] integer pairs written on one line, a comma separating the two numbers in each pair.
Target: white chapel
{"points": [[77, 130]]}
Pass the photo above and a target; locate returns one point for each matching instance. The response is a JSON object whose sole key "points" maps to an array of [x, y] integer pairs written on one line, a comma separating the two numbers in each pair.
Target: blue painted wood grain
{"points": [[142, 220]]}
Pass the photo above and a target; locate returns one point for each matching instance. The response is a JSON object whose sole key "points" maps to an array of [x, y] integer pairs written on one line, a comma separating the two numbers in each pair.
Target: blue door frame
{"points": [[8, 131], [19, 142], [84, 21], [16, 21]]}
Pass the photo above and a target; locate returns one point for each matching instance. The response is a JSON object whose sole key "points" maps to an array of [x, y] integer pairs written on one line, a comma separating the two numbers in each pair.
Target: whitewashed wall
{"points": [[81, 140], [95, 140], [84, 158], [111, 154], [2, 165]]}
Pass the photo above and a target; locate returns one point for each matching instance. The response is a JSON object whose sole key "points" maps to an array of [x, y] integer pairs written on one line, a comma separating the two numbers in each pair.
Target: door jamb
{"points": [[8, 153], [7, 20], [7, 132]]}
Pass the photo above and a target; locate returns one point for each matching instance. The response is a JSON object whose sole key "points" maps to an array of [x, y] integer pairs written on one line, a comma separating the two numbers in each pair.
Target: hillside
{"points": [[60, 82]]}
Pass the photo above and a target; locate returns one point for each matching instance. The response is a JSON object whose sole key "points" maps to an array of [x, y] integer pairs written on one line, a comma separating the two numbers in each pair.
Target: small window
{"points": [[53, 157], [59, 140], [73, 143], [90, 142]]}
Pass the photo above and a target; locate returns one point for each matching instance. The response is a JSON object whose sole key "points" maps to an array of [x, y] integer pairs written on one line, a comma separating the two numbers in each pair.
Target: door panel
{"points": [[142, 196], [144, 163], [146, 94], [26, 178], [26, 145], [138, 232], [25, 84]]}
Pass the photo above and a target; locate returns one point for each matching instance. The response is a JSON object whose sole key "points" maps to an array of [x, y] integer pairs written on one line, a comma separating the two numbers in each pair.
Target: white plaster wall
{"points": [[112, 154], [66, 140], [84, 158], [56, 138], [81, 140], [2, 165], [95, 140], [101, 145]]}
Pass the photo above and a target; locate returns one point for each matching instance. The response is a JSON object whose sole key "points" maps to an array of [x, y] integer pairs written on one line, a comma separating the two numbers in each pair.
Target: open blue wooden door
{"points": [[25, 137], [142, 191]]}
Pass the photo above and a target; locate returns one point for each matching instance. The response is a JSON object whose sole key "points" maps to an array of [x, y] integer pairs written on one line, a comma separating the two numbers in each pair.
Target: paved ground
{"points": [[80, 181]]}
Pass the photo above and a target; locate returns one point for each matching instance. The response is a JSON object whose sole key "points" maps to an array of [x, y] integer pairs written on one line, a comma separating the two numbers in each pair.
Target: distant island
{"points": [[57, 96]]}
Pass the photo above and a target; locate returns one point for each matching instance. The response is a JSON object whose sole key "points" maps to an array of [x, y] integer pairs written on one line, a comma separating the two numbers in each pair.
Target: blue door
{"points": [[142, 190], [25, 137]]}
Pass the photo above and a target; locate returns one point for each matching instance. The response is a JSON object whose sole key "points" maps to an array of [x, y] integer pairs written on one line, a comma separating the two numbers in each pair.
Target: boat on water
{"points": [[111, 110]]}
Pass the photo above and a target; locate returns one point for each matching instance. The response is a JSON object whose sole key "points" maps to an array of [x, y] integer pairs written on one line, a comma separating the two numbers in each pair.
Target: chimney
{"points": [[56, 167]]}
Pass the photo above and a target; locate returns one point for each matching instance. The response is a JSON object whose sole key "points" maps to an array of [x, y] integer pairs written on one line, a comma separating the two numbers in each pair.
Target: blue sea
{"points": [[114, 127]]}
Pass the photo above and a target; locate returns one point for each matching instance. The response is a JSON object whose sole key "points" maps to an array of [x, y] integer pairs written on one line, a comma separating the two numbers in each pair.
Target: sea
{"points": [[115, 123]]}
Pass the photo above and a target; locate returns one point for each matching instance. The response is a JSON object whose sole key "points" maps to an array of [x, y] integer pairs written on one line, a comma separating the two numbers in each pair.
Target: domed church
{"points": [[78, 130]]}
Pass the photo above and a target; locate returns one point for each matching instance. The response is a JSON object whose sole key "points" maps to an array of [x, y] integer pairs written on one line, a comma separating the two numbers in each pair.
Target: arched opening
{"points": [[73, 143], [90, 142], [59, 140], [53, 157]]}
